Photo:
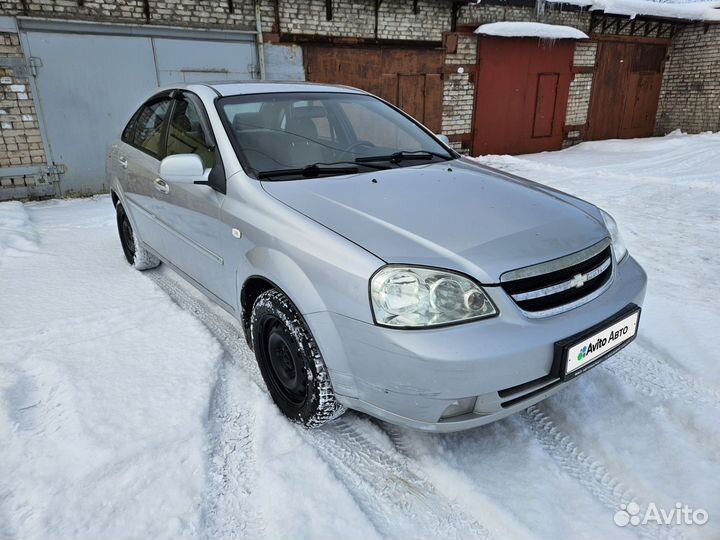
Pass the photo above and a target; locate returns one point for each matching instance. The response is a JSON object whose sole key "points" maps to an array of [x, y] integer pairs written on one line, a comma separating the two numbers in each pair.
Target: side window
{"points": [[149, 126], [130, 128], [186, 134]]}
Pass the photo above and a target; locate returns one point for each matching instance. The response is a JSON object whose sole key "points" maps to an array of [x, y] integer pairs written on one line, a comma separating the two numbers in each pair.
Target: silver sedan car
{"points": [[370, 266]]}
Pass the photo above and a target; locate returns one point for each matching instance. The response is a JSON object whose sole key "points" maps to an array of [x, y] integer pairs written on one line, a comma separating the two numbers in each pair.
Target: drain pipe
{"points": [[259, 41]]}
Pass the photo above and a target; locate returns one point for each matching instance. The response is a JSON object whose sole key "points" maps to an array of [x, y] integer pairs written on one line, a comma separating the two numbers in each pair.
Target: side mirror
{"points": [[182, 169], [443, 138]]}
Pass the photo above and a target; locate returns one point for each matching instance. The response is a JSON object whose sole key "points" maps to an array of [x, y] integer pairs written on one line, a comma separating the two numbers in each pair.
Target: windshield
{"points": [[293, 135]]}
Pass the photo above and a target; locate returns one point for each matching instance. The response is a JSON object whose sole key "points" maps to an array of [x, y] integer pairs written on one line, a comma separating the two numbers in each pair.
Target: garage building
{"points": [[72, 71]]}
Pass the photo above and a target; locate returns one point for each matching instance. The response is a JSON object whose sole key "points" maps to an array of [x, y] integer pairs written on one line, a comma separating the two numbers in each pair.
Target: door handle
{"points": [[161, 185], [123, 161]]}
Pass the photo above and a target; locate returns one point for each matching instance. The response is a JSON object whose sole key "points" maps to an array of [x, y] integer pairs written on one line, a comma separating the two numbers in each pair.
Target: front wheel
{"points": [[290, 362], [135, 254]]}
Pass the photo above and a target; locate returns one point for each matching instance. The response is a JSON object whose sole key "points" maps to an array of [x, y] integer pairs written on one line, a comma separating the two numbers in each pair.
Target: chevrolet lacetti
{"points": [[370, 266]]}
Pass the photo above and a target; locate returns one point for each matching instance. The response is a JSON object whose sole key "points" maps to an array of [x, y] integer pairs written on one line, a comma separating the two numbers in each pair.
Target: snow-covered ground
{"points": [[131, 408]]}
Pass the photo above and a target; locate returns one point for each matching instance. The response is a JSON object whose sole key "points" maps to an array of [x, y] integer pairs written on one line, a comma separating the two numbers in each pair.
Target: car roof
{"points": [[234, 88]]}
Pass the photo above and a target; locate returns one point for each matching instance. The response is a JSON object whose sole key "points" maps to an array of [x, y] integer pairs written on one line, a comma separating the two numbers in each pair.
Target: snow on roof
{"points": [[694, 11], [530, 29]]}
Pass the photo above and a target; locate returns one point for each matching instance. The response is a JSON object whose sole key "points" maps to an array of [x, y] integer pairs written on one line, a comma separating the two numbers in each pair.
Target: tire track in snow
{"points": [[232, 476], [232, 472], [454, 483], [647, 369], [588, 471], [400, 502], [397, 499]]}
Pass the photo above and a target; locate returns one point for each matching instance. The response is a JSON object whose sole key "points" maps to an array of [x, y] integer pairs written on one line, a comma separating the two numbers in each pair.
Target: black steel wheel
{"points": [[136, 255], [127, 239], [290, 361]]}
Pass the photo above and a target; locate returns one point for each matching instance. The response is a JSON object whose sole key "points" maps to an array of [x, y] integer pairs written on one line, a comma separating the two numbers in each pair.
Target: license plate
{"points": [[582, 353]]}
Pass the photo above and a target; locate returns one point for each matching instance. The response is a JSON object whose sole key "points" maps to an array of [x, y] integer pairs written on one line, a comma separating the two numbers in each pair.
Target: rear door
{"points": [[139, 154]]}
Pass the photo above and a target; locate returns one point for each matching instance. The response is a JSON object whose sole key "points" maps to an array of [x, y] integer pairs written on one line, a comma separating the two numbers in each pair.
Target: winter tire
{"points": [[135, 254], [290, 362]]}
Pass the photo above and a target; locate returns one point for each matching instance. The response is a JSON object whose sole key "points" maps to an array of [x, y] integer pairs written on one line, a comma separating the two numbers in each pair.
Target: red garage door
{"points": [[521, 94]]}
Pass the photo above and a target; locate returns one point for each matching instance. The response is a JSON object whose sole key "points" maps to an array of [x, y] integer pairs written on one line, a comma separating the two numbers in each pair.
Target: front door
{"points": [[626, 90], [521, 94], [190, 213]]}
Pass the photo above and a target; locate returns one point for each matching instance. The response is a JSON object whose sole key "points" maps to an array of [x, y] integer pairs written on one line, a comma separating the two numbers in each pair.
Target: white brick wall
{"points": [[579, 99], [477, 14], [20, 142], [690, 94]]}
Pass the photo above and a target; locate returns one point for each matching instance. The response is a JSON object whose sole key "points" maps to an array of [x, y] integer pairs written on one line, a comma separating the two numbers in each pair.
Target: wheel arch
{"points": [[253, 287], [293, 283]]}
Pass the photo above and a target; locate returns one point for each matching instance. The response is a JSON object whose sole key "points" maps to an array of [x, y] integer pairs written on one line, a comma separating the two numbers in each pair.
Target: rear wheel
{"points": [[135, 254], [290, 362]]}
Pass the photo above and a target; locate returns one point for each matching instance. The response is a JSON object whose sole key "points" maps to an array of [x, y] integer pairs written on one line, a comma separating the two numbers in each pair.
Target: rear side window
{"points": [[147, 126], [128, 131]]}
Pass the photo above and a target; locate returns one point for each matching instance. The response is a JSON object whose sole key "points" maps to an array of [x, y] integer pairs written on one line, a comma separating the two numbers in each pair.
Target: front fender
{"points": [[287, 275], [278, 268]]}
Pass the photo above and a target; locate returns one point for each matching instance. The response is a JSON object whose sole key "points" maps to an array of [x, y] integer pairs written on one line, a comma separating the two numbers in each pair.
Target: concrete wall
{"points": [[690, 95]]}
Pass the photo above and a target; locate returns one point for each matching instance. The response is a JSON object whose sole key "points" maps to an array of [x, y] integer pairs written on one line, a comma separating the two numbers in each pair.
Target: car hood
{"points": [[457, 215]]}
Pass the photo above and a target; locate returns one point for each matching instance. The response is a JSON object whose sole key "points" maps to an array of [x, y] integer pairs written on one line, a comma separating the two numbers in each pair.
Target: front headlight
{"points": [[405, 296], [617, 242]]}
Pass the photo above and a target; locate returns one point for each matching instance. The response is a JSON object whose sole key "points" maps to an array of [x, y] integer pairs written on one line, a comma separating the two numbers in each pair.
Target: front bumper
{"points": [[410, 377]]}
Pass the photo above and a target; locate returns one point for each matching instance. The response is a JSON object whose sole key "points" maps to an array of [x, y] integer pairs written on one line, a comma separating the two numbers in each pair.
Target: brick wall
{"points": [[350, 18], [580, 89], [476, 14], [690, 94], [356, 18], [459, 91], [20, 142], [398, 21], [579, 99], [175, 12]]}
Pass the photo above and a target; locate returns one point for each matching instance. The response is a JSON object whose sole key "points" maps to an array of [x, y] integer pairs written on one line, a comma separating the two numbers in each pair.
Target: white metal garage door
{"points": [[90, 78]]}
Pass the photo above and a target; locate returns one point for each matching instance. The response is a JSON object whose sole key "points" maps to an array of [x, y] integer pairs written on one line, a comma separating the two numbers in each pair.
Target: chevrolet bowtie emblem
{"points": [[578, 281]]}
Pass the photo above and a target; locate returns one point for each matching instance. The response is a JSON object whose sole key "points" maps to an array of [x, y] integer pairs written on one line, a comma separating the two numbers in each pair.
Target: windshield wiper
{"points": [[404, 155], [311, 171], [319, 169]]}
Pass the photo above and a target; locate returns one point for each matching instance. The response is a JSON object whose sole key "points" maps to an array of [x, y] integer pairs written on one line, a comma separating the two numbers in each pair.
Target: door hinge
{"points": [[34, 63], [56, 168]]}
